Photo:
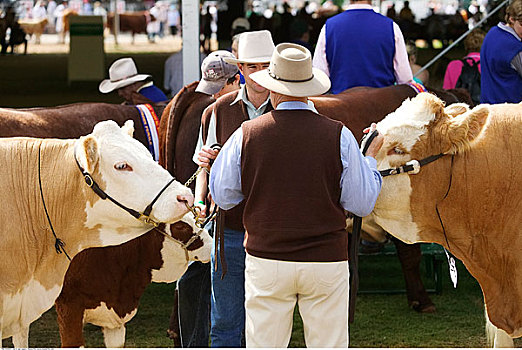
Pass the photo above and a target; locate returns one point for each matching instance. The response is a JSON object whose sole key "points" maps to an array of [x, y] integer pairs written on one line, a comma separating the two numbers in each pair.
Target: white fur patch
{"points": [[23, 308], [102, 316], [406, 124]]}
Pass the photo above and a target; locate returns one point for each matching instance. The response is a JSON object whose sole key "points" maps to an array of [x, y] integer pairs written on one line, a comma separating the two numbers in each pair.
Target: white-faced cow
{"points": [[43, 183], [103, 286], [469, 200]]}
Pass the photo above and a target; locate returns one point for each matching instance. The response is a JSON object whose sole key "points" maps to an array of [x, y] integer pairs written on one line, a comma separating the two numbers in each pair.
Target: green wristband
{"points": [[201, 202]]}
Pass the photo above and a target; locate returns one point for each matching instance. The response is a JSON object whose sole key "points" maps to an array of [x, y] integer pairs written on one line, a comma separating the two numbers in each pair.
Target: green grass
{"points": [[381, 320]]}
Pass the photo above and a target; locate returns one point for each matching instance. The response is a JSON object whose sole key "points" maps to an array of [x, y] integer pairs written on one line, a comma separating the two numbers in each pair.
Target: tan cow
{"points": [[476, 187], [34, 26], [31, 271]]}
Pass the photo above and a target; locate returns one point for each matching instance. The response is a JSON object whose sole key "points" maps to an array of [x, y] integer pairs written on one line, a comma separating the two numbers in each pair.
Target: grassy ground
{"points": [[382, 320]]}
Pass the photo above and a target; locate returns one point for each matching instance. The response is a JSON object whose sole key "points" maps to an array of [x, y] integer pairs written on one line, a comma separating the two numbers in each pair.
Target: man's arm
{"points": [[360, 181], [401, 66], [225, 175], [319, 60]]}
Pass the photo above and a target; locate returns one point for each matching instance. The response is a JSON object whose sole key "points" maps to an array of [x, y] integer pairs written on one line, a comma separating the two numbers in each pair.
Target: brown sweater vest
{"points": [[290, 175], [228, 119]]}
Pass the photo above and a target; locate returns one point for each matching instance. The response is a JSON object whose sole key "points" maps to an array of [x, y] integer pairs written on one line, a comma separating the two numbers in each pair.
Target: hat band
{"points": [[127, 77], [289, 80]]}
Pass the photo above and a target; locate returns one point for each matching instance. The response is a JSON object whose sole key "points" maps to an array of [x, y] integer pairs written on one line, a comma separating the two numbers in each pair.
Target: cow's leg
{"points": [[114, 337], [70, 324], [410, 258], [21, 339], [496, 337]]}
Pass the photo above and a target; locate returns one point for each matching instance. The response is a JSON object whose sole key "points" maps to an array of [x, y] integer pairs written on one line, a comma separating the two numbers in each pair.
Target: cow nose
{"points": [[188, 199]]}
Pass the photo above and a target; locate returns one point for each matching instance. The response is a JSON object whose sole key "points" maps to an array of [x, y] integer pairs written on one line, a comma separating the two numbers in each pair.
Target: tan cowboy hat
{"points": [[290, 73], [122, 72], [254, 47]]}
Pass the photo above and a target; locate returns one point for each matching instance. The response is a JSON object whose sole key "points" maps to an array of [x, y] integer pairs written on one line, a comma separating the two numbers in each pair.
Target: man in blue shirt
{"points": [[134, 88], [296, 172]]}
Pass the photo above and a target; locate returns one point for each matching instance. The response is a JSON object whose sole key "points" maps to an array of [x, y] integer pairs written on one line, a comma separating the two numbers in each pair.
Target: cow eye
{"points": [[122, 166], [397, 150]]}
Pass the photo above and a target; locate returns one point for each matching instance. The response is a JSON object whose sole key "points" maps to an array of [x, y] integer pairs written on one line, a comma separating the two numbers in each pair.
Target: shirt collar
{"points": [[241, 95], [144, 86], [291, 105], [508, 29], [360, 7]]}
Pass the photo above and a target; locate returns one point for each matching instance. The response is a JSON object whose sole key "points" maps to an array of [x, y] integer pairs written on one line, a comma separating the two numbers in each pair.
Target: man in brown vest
{"points": [[218, 123], [296, 172]]}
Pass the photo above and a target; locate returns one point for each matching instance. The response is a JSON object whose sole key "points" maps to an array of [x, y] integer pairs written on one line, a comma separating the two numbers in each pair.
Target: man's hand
{"points": [[377, 142], [205, 156]]}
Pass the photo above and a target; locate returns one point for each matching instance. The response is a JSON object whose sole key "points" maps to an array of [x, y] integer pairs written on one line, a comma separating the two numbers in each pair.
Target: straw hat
{"points": [[254, 47], [290, 73], [122, 72]]}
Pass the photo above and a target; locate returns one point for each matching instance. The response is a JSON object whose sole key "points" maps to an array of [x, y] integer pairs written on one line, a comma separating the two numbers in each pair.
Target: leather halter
{"points": [[411, 167], [144, 216]]}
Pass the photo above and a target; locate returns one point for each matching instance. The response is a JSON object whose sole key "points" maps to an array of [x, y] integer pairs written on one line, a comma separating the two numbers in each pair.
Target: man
{"points": [[218, 78], [295, 171], [134, 88], [252, 100], [360, 47], [501, 55]]}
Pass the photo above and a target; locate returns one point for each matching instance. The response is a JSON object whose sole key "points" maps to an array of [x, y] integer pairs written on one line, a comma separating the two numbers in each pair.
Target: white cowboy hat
{"points": [[254, 47], [122, 72], [290, 73]]}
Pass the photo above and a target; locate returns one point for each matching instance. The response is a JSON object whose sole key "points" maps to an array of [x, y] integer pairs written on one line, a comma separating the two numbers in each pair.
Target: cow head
{"points": [[184, 230], [419, 128], [125, 170]]}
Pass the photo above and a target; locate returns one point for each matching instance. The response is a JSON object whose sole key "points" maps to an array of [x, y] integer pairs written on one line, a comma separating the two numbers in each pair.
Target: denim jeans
{"points": [[194, 304], [228, 295]]}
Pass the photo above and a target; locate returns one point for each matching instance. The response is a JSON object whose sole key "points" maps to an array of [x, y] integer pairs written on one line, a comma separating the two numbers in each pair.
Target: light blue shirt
{"points": [[360, 180]]}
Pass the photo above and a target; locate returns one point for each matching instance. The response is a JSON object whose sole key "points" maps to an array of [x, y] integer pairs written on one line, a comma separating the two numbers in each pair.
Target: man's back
{"points": [[360, 48]]}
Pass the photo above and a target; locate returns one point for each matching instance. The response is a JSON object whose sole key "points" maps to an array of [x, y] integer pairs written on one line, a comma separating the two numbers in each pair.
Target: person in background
{"points": [[218, 79], [58, 14], [296, 242], [229, 112], [39, 10], [134, 88], [472, 45], [173, 72], [343, 52], [173, 19], [406, 13], [51, 7], [87, 8], [99, 10], [501, 59], [424, 76], [300, 33]]}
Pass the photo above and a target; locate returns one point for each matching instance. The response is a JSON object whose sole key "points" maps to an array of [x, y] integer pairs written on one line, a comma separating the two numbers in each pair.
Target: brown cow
{"points": [[134, 22], [469, 200], [34, 27], [104, 286]]}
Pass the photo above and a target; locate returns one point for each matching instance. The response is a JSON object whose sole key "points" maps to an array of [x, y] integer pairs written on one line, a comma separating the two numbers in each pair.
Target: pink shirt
{"points": [[401, 65], [454, 69]]}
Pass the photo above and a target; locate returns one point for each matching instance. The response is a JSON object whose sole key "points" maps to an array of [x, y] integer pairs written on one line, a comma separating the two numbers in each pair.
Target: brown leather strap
{"points": [[220, 239]]}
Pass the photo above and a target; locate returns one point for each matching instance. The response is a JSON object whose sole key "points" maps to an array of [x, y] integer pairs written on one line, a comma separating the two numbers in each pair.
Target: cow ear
{"points": [[456, 109], [87, 153], [128, 127], [463, 129]]}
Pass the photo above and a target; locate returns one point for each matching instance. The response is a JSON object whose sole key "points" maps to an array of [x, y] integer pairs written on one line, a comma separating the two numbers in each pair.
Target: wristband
{"points": [[201, 202]]}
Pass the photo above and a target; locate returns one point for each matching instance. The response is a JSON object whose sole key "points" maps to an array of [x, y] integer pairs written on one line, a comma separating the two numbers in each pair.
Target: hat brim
{"points": [[264, 59], [210, 87], [107, 86], [318, 85]]}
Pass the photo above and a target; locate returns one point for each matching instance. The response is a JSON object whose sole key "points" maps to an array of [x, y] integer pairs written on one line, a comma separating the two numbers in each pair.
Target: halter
{"points": [[144, 216]]}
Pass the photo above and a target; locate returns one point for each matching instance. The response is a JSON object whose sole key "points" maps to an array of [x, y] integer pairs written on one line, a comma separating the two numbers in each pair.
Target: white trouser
{"points": [[272, 289]]}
